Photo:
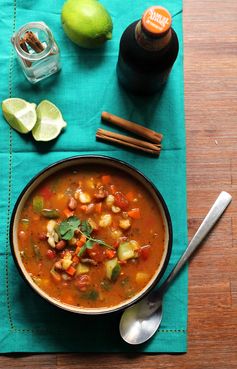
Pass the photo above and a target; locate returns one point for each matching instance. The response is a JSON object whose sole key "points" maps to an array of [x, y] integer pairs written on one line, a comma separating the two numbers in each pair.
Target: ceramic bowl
{"points": [[99, 161]]}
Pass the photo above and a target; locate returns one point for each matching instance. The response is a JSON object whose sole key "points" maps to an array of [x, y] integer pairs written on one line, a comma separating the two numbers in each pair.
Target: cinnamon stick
{"points": [[128, 141], [25, 48], [31, 39], [147, 133]]}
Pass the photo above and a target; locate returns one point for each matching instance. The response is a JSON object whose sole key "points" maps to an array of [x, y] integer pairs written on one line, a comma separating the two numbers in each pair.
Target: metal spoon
{"points": [[140, 321]]}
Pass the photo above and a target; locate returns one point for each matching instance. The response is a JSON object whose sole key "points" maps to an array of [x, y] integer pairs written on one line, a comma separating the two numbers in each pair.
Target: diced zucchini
{"points": [[115, 272], [125, 251], [82, 269], [112, 269], [38, 203], [67, 261], [134, 244], [37, 280], [128, 250]]}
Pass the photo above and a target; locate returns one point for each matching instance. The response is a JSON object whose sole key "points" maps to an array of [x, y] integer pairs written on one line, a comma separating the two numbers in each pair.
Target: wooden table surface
{"points": [[210, 40]]}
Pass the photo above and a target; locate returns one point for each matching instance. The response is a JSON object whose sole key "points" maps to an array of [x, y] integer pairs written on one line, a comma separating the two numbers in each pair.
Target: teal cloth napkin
{"points": [[85, 87]]}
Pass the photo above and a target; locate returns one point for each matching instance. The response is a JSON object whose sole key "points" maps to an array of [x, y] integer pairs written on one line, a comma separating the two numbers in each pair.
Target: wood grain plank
{"points": [[24, 361]]}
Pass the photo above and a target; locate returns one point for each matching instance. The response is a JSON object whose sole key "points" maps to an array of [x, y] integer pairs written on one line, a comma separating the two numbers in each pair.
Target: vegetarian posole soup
{"points": [[91, 238]]}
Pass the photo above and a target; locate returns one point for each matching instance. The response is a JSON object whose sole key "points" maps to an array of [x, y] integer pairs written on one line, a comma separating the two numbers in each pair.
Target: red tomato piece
{"points": [[106, 179], [145, 251], [120, 200], [50, 254], [134, 213], [46, 192], [82, 282], [97, 253], [110, 254]]}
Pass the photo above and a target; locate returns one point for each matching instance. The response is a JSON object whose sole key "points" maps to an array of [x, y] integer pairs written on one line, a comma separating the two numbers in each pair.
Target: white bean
{"points": [[105, 220], [109, 200], [124, 223], [115, 209]]}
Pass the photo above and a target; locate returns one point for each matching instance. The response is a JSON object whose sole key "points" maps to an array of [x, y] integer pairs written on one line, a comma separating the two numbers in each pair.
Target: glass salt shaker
{"points": [[37, 51]]}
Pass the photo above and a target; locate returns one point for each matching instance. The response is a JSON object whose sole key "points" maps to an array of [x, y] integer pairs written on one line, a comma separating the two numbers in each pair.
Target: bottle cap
{"points": [[156, 21]]}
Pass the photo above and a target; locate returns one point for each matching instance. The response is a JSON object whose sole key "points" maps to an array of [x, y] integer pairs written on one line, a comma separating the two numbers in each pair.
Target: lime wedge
{"points": [[19, 114], [49, 122]]}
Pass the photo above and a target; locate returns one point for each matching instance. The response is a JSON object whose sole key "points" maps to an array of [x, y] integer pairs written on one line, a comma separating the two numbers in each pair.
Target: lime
{"points": [[86, 22], [49, 122], [19, 114]]}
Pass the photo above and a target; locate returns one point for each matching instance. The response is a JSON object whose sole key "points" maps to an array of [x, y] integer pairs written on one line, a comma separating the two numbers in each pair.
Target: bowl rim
{"points": [[116, 308]]}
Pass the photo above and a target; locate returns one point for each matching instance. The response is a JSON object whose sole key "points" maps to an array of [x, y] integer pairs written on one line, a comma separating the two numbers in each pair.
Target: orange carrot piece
{"points": [[110, 253], [134, 213], [68, 213], [130, 196], [75, 259], [71, 271], [78, 247], [82, 239], [80, 243], [106, 179], [98, 207], [83, 207]]}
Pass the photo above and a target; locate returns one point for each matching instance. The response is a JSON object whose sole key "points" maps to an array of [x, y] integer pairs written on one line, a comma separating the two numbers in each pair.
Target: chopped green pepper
{"points": [[38, 203], [50, 213], [36, 250], [90, 295]]}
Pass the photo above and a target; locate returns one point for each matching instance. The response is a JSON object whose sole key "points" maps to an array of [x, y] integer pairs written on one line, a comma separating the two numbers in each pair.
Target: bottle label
{"points": [[156, 20]]}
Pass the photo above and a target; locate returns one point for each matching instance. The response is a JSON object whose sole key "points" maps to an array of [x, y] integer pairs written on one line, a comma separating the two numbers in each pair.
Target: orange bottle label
{"points": [[156, 20]]}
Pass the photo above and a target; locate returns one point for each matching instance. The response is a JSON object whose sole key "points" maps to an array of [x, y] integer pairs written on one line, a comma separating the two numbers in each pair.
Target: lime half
{"points": [[19, 114], [49, 122]]}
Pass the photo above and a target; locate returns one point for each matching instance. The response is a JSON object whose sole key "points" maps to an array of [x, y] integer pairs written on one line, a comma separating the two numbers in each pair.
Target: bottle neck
{"points": [[151, 43]]}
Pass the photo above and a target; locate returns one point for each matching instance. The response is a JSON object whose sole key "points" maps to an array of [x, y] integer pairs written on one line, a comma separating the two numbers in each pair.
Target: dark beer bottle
{"points": [[148, 50]]}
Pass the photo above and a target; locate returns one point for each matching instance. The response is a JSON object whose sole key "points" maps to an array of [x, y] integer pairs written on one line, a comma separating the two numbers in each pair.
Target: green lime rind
{"points": [[86, 22], [49, 122], [19, 114]]}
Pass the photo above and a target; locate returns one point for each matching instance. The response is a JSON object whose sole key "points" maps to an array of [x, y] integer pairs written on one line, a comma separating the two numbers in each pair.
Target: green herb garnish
{"points": [[86, 228], [70, 225]]}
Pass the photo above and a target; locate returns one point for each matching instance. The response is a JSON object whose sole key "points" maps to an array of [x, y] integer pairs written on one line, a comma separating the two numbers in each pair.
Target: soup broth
{"points": [[91, 238]]}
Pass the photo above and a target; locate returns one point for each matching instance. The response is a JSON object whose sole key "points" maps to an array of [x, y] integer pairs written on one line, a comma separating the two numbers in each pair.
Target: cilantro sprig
{"points": [[68, 227]]}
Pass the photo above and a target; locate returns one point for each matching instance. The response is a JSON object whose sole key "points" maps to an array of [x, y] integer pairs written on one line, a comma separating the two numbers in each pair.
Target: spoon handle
{"points": [[209, 221]]}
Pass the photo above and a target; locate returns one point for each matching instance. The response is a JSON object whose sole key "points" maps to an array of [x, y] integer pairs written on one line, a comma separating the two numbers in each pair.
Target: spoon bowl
{"points": [[140, 321], [137, 323]]}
